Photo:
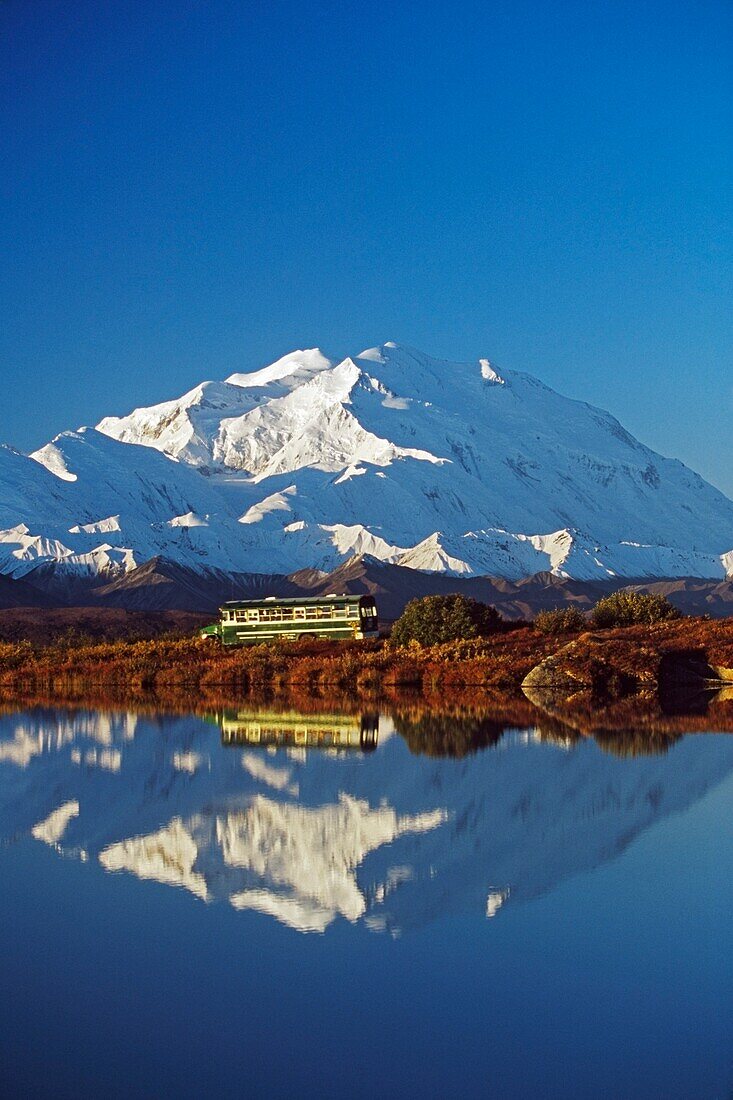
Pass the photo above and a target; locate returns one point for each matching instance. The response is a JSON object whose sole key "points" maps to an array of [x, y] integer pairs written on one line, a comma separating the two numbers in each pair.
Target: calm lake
{"points": [[261, 903]]}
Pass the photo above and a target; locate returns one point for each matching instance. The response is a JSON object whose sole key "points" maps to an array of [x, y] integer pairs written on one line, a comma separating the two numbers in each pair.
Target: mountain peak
{"points": [[439, 466], [377, 353], [296, 366]]}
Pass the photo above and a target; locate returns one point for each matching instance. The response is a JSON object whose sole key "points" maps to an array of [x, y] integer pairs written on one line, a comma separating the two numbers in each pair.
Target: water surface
{"points": [[263, 903]]}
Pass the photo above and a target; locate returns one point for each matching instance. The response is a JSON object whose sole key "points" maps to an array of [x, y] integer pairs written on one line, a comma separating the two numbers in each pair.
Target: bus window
{"points": [[253, 616], [240, 616], [299, 613], [311, 612], [324, 612], [339, 612]]}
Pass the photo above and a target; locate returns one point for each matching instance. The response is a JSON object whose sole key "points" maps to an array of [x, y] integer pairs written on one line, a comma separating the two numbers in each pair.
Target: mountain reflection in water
{"points": [[391, 821]]}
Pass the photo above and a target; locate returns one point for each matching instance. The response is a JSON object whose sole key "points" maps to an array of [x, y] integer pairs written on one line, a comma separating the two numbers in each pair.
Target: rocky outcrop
{"points": [[586, 664], [615, 666]]}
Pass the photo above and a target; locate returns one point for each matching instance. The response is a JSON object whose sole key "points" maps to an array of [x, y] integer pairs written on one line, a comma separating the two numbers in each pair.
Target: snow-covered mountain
{"points": [[437, 466], [385, 840]]}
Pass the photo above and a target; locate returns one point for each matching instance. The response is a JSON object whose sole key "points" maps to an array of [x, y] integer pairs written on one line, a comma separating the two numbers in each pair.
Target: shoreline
{"points": [[612, 662], [638, 688]]}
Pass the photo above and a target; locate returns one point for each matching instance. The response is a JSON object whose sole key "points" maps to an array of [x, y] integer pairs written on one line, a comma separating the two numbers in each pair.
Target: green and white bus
{"points": [[251, 622]]}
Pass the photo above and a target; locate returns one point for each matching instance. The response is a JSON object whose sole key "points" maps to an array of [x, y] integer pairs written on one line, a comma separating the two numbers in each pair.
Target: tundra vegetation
{"points": [[627, 608], [560, 620], [434, 620], [631, 656]]}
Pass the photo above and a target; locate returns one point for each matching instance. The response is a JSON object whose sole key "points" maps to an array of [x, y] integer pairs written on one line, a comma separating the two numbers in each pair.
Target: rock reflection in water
{"points": [[633, 725], [284, 813]]}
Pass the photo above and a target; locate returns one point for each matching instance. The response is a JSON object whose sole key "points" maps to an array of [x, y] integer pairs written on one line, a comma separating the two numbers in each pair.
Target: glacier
{"points": [[457, 468]]}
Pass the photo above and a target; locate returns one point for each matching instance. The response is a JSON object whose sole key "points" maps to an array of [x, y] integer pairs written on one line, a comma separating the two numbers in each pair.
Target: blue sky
{"points": [[193, 187]]}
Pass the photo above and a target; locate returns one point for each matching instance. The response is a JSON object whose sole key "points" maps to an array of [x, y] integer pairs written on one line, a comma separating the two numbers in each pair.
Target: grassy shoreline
{"points": [[611, 662]]}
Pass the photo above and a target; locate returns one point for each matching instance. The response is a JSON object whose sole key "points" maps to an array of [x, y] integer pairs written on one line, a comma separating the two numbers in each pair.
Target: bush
{"points": [[561, 620], [627, 608], [433, 620]]}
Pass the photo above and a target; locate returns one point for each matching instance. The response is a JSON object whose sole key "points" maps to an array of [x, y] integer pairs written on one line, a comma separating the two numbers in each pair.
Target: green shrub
{"points": [[627, 608], [560, 620], [433, 620]]}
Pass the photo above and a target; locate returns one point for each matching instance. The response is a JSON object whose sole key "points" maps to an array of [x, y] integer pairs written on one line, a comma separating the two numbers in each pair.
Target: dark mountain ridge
{"points": [[164, 585]]}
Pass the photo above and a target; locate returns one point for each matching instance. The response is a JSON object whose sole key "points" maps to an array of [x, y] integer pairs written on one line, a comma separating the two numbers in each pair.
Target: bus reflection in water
{"points": [[290, 729]]}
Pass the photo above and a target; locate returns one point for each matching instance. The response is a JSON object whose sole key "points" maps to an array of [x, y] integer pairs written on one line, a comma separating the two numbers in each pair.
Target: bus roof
{"points": [[299, 601]]}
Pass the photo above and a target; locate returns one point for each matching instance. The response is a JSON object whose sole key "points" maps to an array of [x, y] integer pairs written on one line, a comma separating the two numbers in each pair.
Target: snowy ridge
{"points": [[437, 466]]}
